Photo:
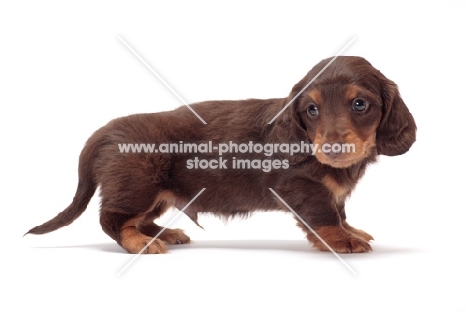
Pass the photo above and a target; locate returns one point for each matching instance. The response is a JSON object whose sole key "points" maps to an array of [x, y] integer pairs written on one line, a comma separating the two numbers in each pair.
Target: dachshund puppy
{"points": [[350, 103]]}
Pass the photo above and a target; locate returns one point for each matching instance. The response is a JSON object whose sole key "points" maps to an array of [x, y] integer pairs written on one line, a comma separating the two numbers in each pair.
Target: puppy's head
{"points": [[351, 112]]}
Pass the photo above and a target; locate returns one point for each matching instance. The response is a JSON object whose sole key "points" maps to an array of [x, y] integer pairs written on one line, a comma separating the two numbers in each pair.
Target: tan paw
{"points": [[360, 233], [339, 239], [174, 236], [133, 241]]}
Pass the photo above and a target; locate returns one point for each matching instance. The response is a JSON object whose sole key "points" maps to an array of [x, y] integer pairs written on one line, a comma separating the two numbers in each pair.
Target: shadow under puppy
{"points": [[349, 103]]}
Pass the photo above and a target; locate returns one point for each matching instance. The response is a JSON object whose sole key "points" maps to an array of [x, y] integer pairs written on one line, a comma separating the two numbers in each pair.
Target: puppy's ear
{"points": [[397, 130], [288, 128]]}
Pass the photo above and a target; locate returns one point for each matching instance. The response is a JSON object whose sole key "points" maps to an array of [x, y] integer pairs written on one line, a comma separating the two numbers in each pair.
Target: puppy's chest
{"points": [[340, 189]]}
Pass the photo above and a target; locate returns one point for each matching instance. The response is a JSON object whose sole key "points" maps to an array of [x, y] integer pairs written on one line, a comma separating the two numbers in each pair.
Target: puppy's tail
{"points": [[84, 192]]}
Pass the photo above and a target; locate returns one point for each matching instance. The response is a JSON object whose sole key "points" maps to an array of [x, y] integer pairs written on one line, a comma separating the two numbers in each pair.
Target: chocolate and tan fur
{"points": [[350, 102]]}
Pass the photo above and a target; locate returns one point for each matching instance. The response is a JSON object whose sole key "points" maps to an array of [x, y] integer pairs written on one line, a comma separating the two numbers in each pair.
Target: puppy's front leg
{"points": [[337, 237], [320, 213], [360, 233]]}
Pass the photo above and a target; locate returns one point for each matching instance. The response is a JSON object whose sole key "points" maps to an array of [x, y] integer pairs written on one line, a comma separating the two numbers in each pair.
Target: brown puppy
{"points": [[349, 103]]}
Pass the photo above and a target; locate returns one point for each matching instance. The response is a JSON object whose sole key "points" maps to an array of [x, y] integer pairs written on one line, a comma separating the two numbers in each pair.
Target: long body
{"points": [[138, 187]]}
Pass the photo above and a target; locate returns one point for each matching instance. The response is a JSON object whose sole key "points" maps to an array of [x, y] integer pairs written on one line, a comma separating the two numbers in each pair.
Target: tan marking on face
{"points": [[352, 91], [316, 96], [353, 147], [339, 128]]}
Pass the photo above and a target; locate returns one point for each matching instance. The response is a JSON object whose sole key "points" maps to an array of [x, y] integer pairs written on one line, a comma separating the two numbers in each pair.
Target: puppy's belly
{"points": [[220, 200], [229, 192]]}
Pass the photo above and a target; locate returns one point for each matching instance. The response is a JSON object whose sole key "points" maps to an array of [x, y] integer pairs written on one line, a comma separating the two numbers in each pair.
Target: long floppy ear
{"points": [[287, 128], [397, 130]]}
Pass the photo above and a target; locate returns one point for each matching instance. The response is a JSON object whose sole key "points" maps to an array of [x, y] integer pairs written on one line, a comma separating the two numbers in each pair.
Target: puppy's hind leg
{"points": [[123, 228], [137, 231], [134, 193], [168, 235], [124, 215]]}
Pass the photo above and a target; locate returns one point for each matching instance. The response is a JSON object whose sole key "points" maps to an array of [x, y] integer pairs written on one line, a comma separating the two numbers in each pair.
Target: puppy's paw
{"points": [[351, 244], [133, 241], [155, 247], [174, 236], [360, 233], [339, 239], [363, 235]]}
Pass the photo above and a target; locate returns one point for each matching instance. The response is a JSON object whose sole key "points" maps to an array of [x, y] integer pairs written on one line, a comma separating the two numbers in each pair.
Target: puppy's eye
{"points": [[359, 105], [312, 110]]}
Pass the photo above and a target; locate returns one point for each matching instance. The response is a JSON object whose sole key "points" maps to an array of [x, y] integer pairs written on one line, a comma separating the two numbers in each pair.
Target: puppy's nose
{"points": [[332, 149]]}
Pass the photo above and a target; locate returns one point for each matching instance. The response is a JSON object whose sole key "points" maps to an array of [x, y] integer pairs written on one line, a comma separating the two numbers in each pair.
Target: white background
{"points": [[64, 73]]}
